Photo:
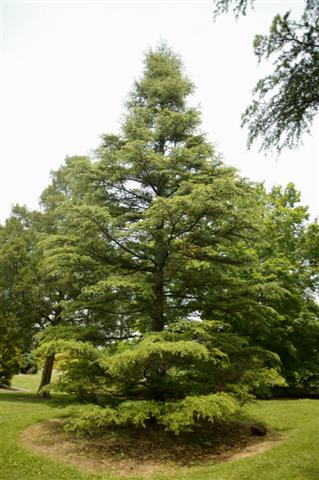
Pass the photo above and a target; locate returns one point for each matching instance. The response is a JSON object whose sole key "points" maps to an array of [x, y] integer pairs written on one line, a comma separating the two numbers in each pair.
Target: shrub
{"points": [[176, 417], [10, 361], [188, 374], [28, 364]]}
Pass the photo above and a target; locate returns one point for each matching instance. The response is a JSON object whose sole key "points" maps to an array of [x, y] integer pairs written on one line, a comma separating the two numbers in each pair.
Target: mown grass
{"points": [[295, 458], [29, 383]]}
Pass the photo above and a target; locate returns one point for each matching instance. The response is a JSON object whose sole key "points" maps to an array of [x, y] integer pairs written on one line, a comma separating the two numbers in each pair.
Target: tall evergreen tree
{"points": [[158, 207], [163, 228]]}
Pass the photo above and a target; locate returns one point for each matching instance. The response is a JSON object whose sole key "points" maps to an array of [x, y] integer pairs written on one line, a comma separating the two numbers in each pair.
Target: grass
{"points": [[29, 383], [296, 458]]}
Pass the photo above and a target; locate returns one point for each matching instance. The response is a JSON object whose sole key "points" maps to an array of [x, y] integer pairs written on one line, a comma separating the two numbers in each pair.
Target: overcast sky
{"points": [[67, 67]]}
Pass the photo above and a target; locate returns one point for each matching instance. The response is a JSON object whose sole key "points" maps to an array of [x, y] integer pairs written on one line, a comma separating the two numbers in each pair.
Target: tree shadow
{"points": [[29, 397], [309, 472]]}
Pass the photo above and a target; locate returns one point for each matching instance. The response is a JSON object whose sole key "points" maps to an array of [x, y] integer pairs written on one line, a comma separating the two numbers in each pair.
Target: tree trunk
{"points": [[157, 310], [46, 376], [158, 307]]}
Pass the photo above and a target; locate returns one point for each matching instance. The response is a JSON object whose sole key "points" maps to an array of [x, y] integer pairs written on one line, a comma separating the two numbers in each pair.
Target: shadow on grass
{"points": [[251, 419], [18, 397], [22, 397], [309, 473]]}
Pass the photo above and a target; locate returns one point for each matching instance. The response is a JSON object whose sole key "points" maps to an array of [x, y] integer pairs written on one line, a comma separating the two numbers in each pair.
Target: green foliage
{"points": [[157, 221], [31, 297], [196, 359], [78, 362], [18, 279], [305, 377], [10, 362], [159, 236], [286, 101], [171, 377], [176, 417], [28, 363], [193, 410], [93, 420], [288, 253], [263, 380]]}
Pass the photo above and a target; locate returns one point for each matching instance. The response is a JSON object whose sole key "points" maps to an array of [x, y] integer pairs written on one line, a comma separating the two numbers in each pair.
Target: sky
{"points": [[68, 66]]}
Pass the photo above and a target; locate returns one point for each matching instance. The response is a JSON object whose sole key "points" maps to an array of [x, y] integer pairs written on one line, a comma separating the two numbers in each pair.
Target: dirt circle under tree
{"points": [[138, 451]]}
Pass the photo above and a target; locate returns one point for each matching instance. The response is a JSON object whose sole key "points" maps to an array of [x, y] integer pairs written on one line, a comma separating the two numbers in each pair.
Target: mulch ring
{"points": [[138, 451]]}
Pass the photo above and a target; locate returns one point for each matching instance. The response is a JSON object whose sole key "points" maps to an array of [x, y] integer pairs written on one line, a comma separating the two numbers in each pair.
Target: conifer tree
{"points": [[162, 228], [158, 207]]}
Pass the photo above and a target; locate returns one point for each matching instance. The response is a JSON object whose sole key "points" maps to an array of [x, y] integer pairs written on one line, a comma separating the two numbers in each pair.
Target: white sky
{"points": [[67, 67]]}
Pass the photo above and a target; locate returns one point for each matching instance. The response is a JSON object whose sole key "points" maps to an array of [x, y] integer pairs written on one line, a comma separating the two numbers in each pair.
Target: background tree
{"points": [[18, 290], [289, 253], [57, 287], [18, 265], [286, 101], [31, 296]]}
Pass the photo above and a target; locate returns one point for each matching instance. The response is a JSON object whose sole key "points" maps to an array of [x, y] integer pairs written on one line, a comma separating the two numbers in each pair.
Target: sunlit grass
{"points": [[295, 458], [29, 383]]}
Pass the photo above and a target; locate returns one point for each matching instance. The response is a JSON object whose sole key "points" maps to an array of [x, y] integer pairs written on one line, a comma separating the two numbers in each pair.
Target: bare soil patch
{"points": [[137, 451]]}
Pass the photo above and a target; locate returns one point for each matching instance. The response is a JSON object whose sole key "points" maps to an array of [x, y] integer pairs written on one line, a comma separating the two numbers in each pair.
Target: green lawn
{"points": [[29, 383], [296, 458]]}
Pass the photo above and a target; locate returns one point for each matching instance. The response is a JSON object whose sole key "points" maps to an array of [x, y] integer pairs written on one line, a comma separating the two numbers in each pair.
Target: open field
{"points": [[294, 458]]}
